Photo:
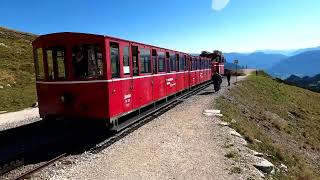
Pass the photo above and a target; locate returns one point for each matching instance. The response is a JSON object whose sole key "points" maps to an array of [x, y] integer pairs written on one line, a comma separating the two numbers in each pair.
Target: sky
{"points": [[184, 25]]}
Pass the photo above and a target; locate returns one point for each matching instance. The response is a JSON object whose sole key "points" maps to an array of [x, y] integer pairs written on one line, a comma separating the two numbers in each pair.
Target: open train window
{"points": [[161, 62], [55, 57], [126, 63], [154, 60], [39, 66], [145, 61], [173, 63], [115, 62], [87, 61]]}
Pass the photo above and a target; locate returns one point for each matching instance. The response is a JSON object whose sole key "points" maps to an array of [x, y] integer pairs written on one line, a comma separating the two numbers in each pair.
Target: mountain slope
{"points": [[255, 60], [286, 120], [17, 87], [303, 64]]}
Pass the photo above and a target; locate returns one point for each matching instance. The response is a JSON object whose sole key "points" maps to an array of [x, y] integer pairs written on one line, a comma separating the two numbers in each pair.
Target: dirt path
{"points": [[180, 144]]}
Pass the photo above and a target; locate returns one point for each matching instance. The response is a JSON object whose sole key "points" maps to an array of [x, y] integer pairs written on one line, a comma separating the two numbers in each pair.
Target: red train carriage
{"points": [[101, 77], [217, 60]]}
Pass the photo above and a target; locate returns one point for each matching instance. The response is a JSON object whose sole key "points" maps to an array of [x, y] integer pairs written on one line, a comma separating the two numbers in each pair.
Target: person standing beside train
{"points": [[228, 76], [217, 80]]}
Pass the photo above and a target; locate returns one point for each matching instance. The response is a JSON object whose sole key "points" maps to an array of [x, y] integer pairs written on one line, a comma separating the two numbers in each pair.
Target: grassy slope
{"points": [[16, 69], [285, 118]]}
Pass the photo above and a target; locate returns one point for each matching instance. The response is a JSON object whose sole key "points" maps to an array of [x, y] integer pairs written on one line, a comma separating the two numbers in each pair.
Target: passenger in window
{"points": [[80, 62]]}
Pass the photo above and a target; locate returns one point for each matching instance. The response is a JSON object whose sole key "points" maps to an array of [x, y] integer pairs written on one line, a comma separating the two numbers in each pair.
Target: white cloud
{"points": [[218, 5]]}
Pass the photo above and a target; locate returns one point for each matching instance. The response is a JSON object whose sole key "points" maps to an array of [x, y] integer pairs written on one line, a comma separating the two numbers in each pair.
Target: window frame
{"points": [[148, 54], [54, 62], [118, 75], [37, 59], [164, 62]]}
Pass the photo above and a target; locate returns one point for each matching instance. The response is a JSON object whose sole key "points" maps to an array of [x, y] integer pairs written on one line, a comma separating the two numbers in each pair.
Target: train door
{"points": [[135, 74], [126, 82], [186, 72], [159, 86], [115, 89]]}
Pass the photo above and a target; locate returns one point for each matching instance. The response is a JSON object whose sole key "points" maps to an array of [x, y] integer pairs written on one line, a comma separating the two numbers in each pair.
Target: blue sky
{"points": [[184, 25]]}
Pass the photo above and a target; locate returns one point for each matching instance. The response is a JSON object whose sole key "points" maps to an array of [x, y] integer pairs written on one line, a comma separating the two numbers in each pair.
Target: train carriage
{"points": [[101, 77]]}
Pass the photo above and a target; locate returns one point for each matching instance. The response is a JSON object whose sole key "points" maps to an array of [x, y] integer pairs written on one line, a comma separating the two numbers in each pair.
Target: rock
{"points": [[1, 87], [258, 154], [8, 85], [233, 121], [283, 167], [257, 140], [208, 114], [35, 104], [224, 124], [1, 112], [213, 111], [219, 115], [2, 44], [261, 174], [235, 133], [265, 166], [243, 142]]}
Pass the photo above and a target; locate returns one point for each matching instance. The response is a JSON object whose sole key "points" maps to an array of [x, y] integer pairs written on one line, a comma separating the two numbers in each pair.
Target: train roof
{"points": [[45, 37]]}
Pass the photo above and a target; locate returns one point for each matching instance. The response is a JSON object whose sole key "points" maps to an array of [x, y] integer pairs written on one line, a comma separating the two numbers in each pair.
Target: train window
{"points": [[194, 64], [181, 63], [145, 62], [126, 63], [173, 62], [154, 60], [168, 61], [87, 61], [161, 62], [39, 66], [185, 63], [56, 63], [114, 56], [135, 64]]}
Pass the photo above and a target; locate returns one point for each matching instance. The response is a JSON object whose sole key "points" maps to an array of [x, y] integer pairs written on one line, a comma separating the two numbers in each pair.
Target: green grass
{"points": [[16, 69], [285, 118]]}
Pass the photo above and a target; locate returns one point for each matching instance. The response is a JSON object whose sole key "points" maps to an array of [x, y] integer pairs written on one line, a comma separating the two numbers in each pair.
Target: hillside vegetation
{"points": [[17, 79], [285, 118]]}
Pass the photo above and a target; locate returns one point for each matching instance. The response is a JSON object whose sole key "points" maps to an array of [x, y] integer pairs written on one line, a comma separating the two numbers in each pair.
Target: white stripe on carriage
{"points": [[110, 80]]}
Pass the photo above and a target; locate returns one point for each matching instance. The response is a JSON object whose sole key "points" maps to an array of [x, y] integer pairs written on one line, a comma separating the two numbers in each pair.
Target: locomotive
{"points": [[100, 77]]}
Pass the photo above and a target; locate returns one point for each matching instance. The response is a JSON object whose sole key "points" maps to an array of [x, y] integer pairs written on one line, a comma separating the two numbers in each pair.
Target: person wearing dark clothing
{"points": [[228, 77], [217, 80]]}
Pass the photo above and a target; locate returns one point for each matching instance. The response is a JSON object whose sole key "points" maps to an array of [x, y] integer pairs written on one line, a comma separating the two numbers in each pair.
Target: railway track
{"points": [[122, 130]]}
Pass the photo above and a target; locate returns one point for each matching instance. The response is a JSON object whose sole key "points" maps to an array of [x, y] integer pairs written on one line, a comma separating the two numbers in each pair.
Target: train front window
{"points": [[39, 66], [56, 63], [87, 61]]}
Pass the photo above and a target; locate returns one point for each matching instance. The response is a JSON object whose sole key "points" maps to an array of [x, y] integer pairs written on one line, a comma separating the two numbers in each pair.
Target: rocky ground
{"points": [[187, 142]]}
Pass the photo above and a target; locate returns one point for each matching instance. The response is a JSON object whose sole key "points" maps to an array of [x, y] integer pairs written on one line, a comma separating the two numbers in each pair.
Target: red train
{"points": [[102, 77]]}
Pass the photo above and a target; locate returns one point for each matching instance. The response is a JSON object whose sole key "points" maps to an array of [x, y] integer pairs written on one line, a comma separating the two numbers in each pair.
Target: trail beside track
{"points": [[180, 144]]}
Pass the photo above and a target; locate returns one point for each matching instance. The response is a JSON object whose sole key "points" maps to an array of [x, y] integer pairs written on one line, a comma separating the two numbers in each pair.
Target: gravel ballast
{"points": [[182, 143], [15, 119]]}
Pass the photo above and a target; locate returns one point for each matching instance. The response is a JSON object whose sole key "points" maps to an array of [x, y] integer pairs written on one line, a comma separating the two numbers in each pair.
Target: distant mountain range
{"points": [[312, 83], [282, 64], [257, 60], [303, 64]]}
